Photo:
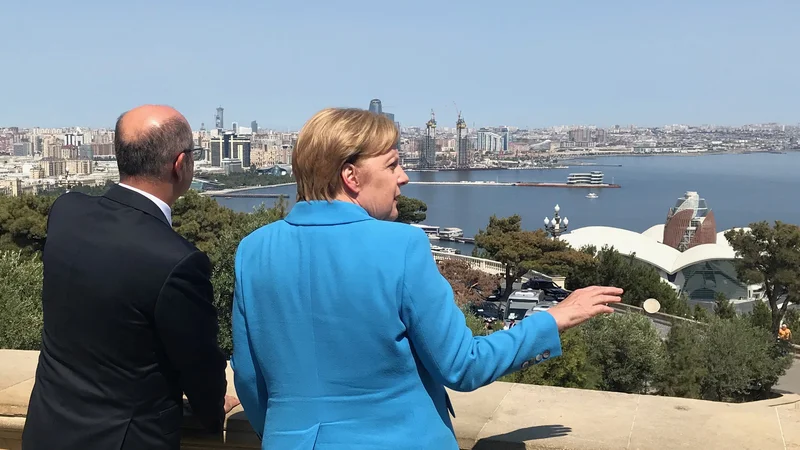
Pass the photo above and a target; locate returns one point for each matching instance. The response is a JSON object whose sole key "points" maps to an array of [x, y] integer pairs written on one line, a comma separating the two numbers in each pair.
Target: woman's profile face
{"points": [[379, 178]]}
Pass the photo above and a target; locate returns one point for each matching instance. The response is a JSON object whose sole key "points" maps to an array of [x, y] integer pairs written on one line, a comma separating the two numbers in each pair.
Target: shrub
{"points": [[742, 361], [628, 351], [572, 369], [20, 301]]}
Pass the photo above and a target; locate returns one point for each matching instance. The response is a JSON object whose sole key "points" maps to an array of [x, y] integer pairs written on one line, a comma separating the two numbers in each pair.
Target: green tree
{"points": [[743, 361], [628, 351], [723, 308], [700, 314], [411, 210], [770, 256], [23, 223], [639, 280], [20, 301], [223, 255], [761, 316], [520, 250], [202, 221], [685, 366], [572, 369]]}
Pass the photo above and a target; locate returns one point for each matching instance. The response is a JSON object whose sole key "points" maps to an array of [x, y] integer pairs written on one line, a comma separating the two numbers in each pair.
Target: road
{"points": [[791, 381]]}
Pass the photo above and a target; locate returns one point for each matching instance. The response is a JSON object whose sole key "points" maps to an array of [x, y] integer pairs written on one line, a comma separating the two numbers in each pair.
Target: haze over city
{"points": [[522, 64]]}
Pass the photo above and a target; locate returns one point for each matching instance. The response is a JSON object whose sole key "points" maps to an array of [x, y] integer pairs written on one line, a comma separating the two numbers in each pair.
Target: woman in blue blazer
{"points": [[345, 333]]}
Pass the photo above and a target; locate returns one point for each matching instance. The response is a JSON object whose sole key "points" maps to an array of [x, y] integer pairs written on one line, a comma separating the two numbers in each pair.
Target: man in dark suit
{"points": [[129, 323]]}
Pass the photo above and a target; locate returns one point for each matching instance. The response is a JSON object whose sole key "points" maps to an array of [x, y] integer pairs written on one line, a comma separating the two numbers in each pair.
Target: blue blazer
{"points": [[345, 335]]}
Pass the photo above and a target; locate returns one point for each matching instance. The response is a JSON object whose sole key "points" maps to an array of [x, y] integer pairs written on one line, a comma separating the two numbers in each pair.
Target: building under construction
{"points": [[427, 147], [462, 143]]}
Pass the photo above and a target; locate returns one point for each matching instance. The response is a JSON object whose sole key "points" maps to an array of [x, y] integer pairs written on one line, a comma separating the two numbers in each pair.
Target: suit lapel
{"points": [[135, 200]]}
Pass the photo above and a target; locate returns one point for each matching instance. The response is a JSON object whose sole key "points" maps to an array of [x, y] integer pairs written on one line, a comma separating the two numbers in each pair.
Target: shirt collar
{"points": [[160, 203], [322, 212]]}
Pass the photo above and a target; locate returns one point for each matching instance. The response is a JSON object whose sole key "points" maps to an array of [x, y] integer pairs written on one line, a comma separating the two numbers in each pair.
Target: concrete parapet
{"points": [[506, 416]]}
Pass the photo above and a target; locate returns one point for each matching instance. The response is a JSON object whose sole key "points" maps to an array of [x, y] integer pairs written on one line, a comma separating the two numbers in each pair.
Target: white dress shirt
{"points": [[160, 203]]}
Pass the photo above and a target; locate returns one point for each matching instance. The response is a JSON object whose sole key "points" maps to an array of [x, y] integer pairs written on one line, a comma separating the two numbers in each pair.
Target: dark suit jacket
{"points": [[129, 325]]}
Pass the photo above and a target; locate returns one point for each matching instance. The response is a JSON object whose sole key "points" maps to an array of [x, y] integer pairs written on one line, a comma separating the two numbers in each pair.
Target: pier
{"points": [[520, 184], [243, 195], [460, 240]]}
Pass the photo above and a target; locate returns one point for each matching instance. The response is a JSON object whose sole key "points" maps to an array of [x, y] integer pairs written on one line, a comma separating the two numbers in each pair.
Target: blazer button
{"points": [[538, 357], [546, 354]]}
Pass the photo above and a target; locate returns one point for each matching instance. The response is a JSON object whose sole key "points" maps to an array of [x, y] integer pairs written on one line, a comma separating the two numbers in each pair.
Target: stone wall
{"points": [[506, 416]]}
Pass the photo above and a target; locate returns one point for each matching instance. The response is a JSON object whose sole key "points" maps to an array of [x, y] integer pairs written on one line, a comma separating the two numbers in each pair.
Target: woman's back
{"points": [[345, 334], [320, 294]]}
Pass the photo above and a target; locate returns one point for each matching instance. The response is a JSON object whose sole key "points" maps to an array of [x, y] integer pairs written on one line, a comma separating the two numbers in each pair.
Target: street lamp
{"points": [[556, 226]]}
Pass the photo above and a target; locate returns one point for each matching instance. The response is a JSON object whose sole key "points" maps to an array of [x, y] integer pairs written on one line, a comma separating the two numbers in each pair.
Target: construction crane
{"points": [[432, 123]]}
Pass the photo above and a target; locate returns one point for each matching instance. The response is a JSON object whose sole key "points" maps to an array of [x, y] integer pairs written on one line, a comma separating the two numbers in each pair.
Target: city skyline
{"points": [[536, 65]]}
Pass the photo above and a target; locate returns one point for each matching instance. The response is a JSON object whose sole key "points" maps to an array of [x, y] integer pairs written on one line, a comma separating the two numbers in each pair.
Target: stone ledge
{"points": [[505, 416]]}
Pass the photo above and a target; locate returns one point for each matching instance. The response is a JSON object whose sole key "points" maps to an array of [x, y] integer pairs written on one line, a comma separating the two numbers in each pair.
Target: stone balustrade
{"points": [[505, 416]]}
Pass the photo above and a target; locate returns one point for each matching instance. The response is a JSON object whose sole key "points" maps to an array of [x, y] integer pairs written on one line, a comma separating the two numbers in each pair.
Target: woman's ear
{"points": [[350, 178]]}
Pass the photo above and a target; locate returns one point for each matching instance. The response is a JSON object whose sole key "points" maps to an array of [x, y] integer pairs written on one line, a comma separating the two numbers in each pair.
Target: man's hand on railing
{"points": [[583, 304]]}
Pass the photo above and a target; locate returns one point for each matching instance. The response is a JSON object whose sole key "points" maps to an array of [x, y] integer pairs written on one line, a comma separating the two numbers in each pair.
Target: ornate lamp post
{"points": [[556, 226]]}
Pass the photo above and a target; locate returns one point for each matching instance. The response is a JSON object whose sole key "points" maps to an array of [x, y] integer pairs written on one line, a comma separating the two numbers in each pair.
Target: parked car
{"points": [[552, 291], [488, 311], [538, 308]]}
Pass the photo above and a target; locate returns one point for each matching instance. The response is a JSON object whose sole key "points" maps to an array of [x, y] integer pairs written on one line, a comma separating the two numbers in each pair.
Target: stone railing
{"points": [[506, 416], [484, 265]]}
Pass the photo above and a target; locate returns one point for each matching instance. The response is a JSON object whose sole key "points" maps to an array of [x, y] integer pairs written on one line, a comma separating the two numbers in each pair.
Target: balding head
{"points": [[147, 141]]}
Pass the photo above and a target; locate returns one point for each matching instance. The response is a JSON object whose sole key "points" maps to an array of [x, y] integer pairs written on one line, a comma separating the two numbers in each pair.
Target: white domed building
{"points": [[699, 271]]}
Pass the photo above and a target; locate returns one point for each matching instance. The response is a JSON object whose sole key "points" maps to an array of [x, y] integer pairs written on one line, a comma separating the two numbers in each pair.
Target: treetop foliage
{"points": [[411, 210], [770, 255]]}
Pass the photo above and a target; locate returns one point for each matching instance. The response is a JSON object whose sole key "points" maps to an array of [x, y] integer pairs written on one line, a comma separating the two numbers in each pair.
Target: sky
{"points": [[524, 63]]}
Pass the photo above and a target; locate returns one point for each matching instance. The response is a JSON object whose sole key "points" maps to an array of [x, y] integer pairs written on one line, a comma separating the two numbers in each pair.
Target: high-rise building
{"points": [[462, 144], [219, 122], [235, 127], [229, 147], [254, 126], [504, 138], [375, 106], [427, 152], [689, 223], [489, 141], [23, 149]]}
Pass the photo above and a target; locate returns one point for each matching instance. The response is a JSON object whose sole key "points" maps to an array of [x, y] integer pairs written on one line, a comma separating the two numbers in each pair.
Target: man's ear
{"points": [[180, 168], [349, 176]]}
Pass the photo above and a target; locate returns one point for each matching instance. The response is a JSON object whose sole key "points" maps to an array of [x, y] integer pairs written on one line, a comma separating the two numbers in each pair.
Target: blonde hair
{"points": [[332, 138]]}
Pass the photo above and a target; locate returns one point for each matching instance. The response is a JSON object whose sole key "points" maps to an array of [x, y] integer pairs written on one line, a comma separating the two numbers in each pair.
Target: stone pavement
{"points": [[505, 416]]}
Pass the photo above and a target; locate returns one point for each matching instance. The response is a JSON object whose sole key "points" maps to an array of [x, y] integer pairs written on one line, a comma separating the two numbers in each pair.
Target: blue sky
{"points": [[524, 63]]}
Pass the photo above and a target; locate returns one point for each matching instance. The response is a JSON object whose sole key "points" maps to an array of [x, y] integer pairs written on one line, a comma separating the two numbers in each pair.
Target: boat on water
{"points": [[451, 232], [431, 230], [448, 250], [436, 233], [592, 195], [593, 177]]}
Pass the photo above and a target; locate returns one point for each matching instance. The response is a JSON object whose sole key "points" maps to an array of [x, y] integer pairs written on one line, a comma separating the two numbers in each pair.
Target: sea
{"points": [[739, 188]]}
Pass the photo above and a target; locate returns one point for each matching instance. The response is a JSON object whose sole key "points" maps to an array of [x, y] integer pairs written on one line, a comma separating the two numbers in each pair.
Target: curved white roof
{"points": [[648, 248], [656, 233]]}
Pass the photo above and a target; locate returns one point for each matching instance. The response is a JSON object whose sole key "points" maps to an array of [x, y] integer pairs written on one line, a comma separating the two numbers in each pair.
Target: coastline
{"points": [[244, 188], [564, 158]]}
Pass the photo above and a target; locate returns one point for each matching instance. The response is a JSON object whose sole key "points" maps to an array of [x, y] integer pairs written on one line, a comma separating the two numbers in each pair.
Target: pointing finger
{"points": [[606, 299], [608, 290]]}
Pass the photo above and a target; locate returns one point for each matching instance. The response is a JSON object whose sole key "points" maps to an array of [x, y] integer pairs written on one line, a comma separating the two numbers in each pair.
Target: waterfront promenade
{"points": [[507, 416]]}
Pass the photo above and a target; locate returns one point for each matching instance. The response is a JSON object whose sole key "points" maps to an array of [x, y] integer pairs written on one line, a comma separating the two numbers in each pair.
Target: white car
{"points": [[538, 308]]}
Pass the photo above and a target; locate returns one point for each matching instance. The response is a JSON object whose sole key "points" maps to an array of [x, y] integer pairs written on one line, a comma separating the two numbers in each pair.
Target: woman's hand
{"points": [[583, 304]]}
